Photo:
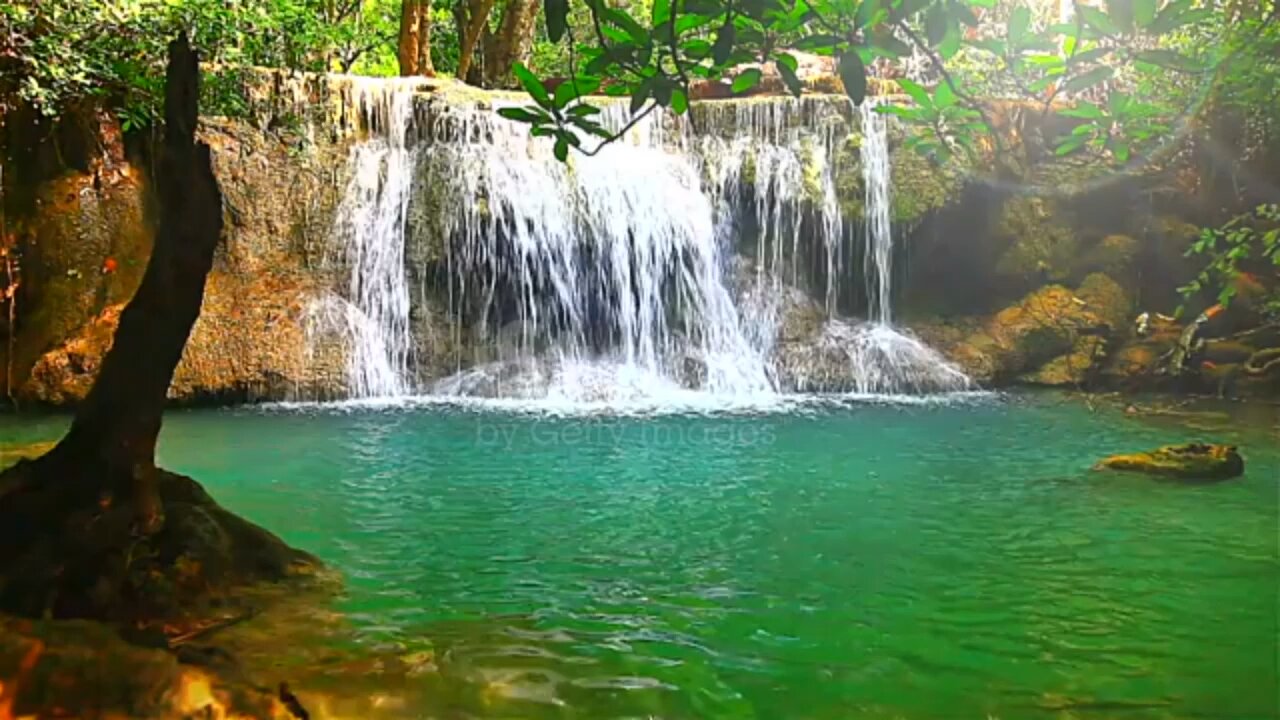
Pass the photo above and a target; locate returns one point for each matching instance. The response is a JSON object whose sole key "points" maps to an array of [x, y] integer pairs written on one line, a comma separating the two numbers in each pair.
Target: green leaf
{"points": [[1071, 145], [890, 45], [950, 44], [1088, 80], [1085, 110], [562, 149], [1173, 16], [697, 49], [962, 13], [935, 24], [853, 74], [1144, 12], [532, 85], [865, 14], [907, 8], [1089, 56], [556, 12], [787, 69], [1121, 152], [745, 80], [1019, 21], [634, 30], [916, 91], [518, 114], [640, 95], [1121, 13], [992, 45], [1099, 20], [944, 96], [1170, 59], [571, 90], [899, 110], [662, 88], [661, 12], [723, 46], [679, 101], [817, 42]]}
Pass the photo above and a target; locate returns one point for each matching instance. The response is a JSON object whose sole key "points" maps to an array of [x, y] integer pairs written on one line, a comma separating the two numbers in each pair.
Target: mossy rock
{"points": [[11, 454], [1041, 243], [1074, 368], [1113, 255], [1193, 461]]}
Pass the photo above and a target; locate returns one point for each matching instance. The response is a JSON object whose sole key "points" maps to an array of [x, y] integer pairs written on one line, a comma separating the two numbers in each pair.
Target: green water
{"points": [[825, 562]]}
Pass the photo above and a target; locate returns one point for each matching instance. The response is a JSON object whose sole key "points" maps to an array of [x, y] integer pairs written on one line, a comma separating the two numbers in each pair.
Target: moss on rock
{"points": [[1194, 461], [1039, 240]]}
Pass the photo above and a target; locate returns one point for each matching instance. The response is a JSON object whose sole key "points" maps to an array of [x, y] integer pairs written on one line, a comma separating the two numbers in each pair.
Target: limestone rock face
{"points": [[1194, 461], [91, 240]]}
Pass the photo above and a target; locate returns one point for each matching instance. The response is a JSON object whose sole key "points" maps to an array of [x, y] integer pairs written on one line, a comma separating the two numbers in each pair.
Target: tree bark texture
{"points": [[513, 41], [414, 52]]}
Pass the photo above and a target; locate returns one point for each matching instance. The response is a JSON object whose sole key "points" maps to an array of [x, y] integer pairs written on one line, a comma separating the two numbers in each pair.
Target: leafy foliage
{"points": [[1252, 238], [59, 52], [1096, 67]]}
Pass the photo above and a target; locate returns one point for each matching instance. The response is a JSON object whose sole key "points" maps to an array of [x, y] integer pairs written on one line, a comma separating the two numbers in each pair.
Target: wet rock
{"points": [[11, 454], [90, 244], [1113, 255], [83, 669], [1193, 461], [1071, 369], [1039, 240], [88, 562], [1053, 336]]}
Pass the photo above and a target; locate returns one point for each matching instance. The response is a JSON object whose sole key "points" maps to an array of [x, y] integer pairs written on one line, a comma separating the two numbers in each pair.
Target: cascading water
{"points": [[878, 235], [599, 279], [373, 314], [615, 276], [882, 359]]}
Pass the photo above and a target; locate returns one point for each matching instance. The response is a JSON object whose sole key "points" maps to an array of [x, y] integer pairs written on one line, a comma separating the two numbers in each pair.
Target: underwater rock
{"points": [[1193, 461], [11, 454]]}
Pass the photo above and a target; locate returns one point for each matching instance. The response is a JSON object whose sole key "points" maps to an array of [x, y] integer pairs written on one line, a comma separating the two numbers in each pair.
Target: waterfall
{"points": [[667, 262], [878, 235], [608, 268], [882, 359], [373, 314]]}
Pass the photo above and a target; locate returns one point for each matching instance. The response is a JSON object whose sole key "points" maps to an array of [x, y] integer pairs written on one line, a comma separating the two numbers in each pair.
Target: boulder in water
{"points": [[1193, 461]]}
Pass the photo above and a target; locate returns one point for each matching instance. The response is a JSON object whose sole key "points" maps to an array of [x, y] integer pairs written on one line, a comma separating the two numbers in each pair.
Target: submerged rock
{"points": [[11, 454], [1193, 461]]}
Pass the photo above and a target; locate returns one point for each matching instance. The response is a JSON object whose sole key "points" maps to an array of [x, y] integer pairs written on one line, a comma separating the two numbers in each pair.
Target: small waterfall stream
{"points": [[614, 277]]}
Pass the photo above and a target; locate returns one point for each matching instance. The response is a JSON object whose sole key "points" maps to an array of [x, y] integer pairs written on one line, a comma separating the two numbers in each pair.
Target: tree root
{"points": [[1263, 362]]}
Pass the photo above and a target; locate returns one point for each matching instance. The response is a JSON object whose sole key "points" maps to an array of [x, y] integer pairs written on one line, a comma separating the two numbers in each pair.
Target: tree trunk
{"points": [[115, 430], [414, 50], [474, 19], [83, 529], [513, 42]]}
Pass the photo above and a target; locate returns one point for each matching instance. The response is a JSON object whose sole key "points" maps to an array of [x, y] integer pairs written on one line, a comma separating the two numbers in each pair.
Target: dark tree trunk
{"points": [[84, 529], [473, 29]]}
